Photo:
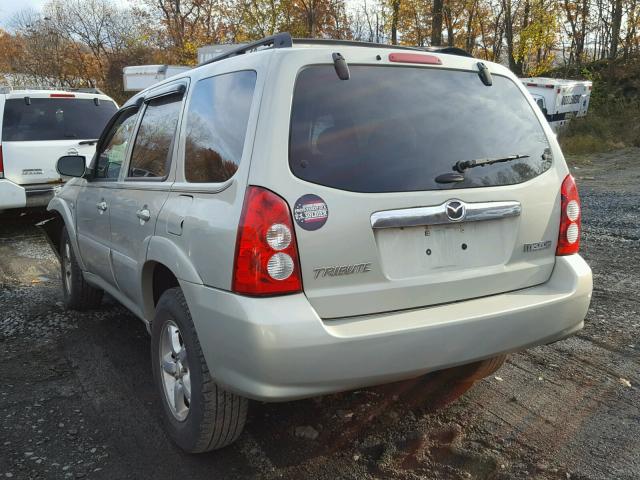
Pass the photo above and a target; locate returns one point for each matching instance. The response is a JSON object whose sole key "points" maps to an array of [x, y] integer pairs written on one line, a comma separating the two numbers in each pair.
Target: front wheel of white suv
{"points": [[199, 415]]}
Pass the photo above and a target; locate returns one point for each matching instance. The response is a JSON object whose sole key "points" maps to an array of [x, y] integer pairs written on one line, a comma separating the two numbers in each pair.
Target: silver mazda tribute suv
{"points": [[296, 218]]}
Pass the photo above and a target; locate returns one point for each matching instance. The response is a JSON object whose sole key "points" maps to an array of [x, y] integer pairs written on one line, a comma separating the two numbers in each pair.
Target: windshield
{"points": [[54, 119], [393, 129]]}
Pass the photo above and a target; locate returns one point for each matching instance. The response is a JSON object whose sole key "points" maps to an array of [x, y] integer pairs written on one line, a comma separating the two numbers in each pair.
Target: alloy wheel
{"points": [[66, 267], [174, 370]]}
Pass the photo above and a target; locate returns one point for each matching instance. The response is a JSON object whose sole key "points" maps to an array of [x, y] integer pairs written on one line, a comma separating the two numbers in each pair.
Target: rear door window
{"points": [[217, 121], [395, 129], [151, 155], [39, 119]]}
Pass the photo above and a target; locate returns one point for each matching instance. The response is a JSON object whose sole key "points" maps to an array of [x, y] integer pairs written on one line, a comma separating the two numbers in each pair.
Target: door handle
{"points": [[144, 215], [102, 206]]}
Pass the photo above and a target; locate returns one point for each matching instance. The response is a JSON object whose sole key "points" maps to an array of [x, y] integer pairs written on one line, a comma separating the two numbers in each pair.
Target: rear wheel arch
{"points": [[165, 267], [157, 278]]}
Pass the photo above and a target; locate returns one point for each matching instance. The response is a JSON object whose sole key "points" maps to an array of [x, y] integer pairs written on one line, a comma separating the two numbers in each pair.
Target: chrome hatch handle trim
{"points": [[437, 215]]}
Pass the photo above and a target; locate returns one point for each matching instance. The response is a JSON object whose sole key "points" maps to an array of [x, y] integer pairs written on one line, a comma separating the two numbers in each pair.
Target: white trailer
{"points": [[139, 77], [209, 52], [560, 100]]}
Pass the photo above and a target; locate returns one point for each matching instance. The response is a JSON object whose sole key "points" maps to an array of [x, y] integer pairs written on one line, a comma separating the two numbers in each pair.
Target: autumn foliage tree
{"points": [[88, 42]]}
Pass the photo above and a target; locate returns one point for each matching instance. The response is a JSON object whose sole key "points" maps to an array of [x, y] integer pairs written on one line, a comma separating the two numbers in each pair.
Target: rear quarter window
{"points": [[217, 119], [395, 129]]}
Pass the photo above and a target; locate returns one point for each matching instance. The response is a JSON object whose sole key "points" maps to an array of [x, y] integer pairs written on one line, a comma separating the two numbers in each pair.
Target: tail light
{"points": [[570, 218], [266, 260], [1, 164]]}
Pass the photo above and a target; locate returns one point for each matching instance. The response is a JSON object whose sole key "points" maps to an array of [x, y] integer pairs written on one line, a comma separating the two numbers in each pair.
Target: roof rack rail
{"points": [[284, 40], [279, 40], [351, 43], [8, 88], [355, 43]]}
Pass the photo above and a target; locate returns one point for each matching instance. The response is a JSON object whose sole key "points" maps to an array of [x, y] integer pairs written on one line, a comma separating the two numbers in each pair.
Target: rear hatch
{"points": [[376, 232], [38, 129]]}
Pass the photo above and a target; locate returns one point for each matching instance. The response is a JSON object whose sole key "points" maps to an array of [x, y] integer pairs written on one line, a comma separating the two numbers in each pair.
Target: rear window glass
{"points": [[54, 119], [394, 129]]}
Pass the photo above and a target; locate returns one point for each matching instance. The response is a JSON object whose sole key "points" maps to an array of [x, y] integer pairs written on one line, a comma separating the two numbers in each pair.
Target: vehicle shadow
{"points": [[104, 356], [111, 354], [348, 420]]}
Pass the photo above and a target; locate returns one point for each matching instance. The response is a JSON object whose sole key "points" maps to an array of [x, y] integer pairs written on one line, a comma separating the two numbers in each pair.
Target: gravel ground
{"points": [[77, 398]]}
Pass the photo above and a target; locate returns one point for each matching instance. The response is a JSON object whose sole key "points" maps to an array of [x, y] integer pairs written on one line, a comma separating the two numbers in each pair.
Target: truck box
{"points": [[139, 77], [559, 99]]}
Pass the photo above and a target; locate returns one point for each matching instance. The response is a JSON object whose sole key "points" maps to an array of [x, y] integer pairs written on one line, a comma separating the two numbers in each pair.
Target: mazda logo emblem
{"points": [[455, 210]]}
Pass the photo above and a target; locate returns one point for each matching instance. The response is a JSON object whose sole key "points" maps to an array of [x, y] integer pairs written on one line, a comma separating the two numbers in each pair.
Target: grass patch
{"points": [[609, 125], [580, 144]]}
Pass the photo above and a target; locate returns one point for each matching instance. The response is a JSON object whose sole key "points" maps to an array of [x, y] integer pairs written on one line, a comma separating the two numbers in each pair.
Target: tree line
{"points": [[88, 42]]}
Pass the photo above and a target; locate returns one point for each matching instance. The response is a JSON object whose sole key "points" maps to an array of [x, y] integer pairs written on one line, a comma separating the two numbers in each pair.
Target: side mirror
{"points": [[71, 166]]}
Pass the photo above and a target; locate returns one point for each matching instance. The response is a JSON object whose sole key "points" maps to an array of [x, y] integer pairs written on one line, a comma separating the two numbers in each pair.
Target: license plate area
{"points": [[430, 249]]}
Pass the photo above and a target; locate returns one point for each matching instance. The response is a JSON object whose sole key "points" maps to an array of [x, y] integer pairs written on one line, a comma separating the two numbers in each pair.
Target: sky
{"points": [[8, 8]]}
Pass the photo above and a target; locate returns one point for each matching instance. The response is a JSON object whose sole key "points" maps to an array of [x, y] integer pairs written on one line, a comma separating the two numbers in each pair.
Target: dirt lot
{"points": [[77, 398]]}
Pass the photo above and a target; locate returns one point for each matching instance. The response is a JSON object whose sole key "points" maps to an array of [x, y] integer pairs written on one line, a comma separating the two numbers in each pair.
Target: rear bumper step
{"points": [[40, 195], [278, 348], [13, 195]]}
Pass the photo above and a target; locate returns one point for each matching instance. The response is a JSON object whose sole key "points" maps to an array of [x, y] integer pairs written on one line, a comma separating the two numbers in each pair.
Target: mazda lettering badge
{"points": [[455, 210]]}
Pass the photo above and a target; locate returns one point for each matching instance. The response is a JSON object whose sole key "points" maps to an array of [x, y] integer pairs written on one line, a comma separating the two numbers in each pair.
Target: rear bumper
{"points": [[277, 348], [13, 195], [40, 195]]}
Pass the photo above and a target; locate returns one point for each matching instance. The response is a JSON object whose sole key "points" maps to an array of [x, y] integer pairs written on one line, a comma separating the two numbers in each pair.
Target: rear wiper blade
{"points": [[88, 142], [463, 165]]}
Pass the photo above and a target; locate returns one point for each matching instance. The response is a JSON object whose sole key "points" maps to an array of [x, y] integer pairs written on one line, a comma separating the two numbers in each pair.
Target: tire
{"points": [[77, 293], [201, 416], [478, 370]]}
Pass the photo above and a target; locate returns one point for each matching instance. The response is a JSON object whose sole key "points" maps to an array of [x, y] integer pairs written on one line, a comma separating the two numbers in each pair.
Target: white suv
{"points": [[321, 216], [36, 128]]}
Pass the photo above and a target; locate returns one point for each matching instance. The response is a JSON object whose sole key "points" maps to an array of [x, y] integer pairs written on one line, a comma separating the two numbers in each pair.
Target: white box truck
{"points": [[139, 77], [560, 100]]}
